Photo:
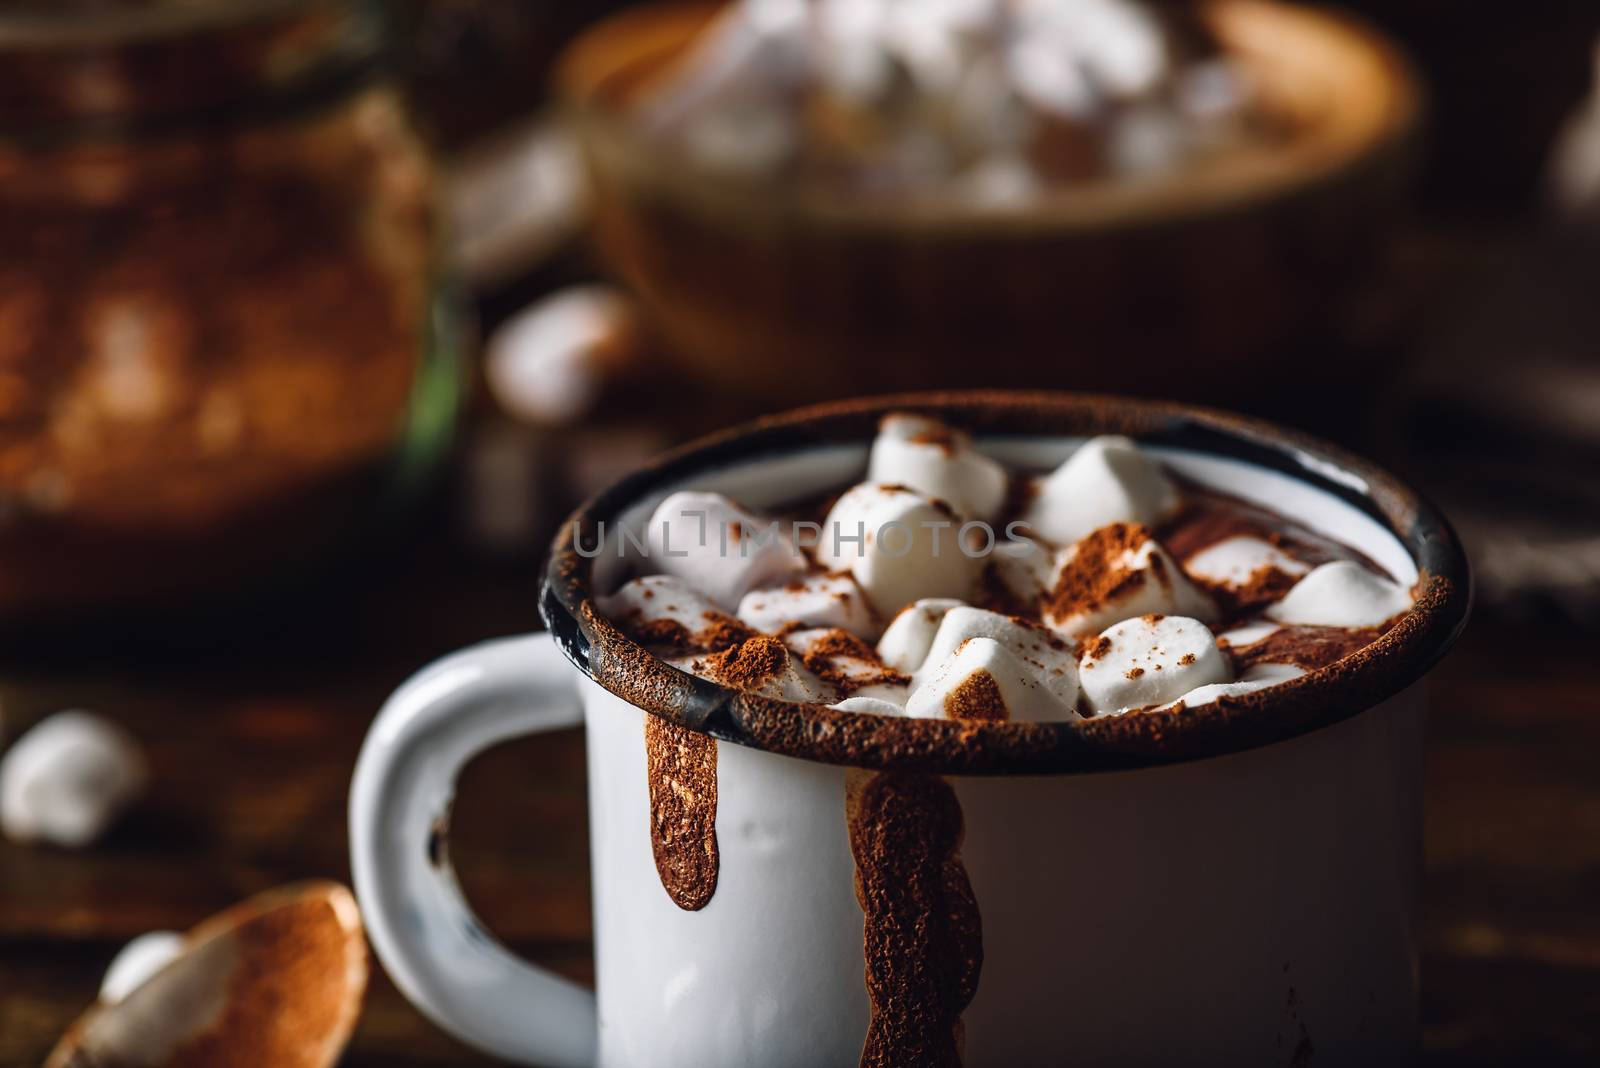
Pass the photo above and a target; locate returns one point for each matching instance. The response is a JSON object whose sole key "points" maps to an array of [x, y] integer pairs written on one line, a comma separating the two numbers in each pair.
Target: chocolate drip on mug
{"points": [[922, 934], [683, 811]]}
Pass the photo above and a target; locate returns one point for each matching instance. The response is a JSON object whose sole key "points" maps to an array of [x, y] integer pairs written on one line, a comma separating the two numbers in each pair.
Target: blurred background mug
{"points": [[788, 884]]}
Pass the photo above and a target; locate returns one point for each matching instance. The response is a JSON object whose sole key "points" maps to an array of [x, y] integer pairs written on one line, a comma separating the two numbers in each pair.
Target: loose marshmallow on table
{"points": [[67, 780], [718, 548], [549, 362], [1341, 594], [984, 680], [137, 961], [899, 545], [654, 605], [904, 645], [812, 601], [1107, 480], [1150, 660], [1119, 572], [1235, 561], [938, 462]]}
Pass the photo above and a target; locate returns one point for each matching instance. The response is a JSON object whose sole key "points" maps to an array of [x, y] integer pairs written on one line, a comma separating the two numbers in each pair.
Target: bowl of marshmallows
{"points": [[824, 197]]}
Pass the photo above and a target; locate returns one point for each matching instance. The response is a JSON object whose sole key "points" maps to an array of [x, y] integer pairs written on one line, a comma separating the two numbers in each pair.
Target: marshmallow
{"points": [[1025, 567], [870, 706], [984, 680], [856, 67], [904, 645], [548, 363], [1107, 480], [662, 610], [747, 139], [1119, 46], [1212, 91], [719, 548], [759, 665], [1259, 677], [1263, 675], [848, 664], [1050, 78], [814, 601], [1002, 181], [1147, 140], [938, 462], [1248, 634], [1235, 561], [67, 780], [750, 52], [899, 545], [1148, 661], [1033, 655], [137, 961], [1116, 573], [1036, 647], [1341, 594]]}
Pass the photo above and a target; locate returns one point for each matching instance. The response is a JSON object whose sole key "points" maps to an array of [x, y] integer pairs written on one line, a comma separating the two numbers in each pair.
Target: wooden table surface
{"points": [[252, 748]]}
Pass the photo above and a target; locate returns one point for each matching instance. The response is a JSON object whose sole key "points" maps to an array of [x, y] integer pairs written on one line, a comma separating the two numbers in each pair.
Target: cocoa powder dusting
{"points": [[721, 631], [747, 664], [841, 642], [820, 660], [1091, 577], [1264, 586], [977, 697], [670, 636], [664, 634], [922, 933], [682, 769]]}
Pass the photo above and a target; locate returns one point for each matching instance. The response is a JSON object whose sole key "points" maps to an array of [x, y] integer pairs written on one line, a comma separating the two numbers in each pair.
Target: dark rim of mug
{"points": [[1135, 739]]}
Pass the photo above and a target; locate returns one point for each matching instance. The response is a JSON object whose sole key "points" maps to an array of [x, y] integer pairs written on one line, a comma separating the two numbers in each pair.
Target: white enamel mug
{"points": [[786, 885]]}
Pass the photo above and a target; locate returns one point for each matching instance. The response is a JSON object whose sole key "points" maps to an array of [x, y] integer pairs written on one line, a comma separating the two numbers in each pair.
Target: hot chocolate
{"points": [[947, 585], [881, 818]]}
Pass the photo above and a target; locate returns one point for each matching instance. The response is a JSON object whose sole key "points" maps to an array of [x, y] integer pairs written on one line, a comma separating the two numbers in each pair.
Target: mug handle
{"points": [[433, 947]]}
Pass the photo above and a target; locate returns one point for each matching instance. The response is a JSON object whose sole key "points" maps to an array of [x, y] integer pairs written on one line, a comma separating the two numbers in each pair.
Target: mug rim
{"points": [[1356, 684]]}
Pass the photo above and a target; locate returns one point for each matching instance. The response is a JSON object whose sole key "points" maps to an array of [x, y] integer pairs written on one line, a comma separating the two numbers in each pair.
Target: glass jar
{"points": [[224, 338]]}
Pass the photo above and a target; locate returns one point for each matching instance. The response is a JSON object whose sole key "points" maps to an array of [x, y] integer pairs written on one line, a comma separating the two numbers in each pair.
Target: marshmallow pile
{"points": [[945, 586], [993, 100]]}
